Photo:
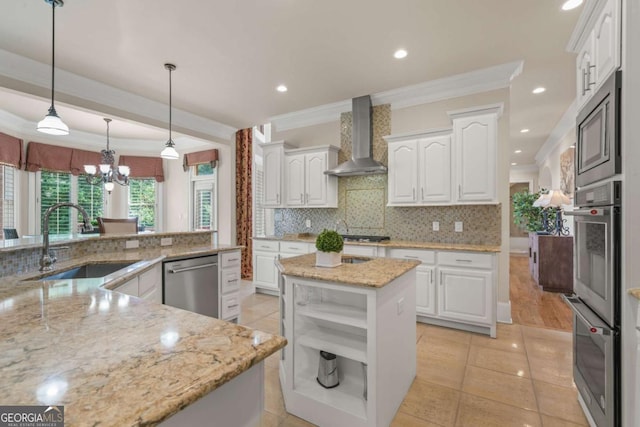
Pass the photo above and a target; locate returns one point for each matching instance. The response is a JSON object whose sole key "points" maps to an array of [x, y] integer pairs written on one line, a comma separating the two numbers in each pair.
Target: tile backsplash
{"points": [[362, 204]]}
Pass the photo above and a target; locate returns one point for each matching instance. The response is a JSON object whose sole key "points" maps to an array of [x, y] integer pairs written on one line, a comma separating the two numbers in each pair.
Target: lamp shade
{"points": [[169, 153], [553, 199], [53, 125]]}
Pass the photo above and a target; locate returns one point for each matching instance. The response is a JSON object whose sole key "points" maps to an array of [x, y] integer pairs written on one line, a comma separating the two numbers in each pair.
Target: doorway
{"points": [[518, 238]]}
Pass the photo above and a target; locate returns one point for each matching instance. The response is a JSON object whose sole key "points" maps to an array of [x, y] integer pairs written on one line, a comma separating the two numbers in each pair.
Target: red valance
{"points": [[200, 158], [10, 151], [48, 157], [143, 167], [79, 158]]}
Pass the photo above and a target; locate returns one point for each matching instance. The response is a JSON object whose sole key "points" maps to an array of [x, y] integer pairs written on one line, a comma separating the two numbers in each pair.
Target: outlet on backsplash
{"points": [[307, 223], [436, 226], [458, 226]]}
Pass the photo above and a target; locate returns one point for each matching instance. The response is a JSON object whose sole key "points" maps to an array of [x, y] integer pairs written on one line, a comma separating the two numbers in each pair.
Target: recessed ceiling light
{"points": [[400, 53], [571, 4], [539, 90], [513, 164], [524, 130], [572, 146], [282, 88], [518, 151]]}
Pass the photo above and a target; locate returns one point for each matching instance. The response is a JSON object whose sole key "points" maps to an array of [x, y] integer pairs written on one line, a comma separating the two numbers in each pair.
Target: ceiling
{"points": [[231, 55]]}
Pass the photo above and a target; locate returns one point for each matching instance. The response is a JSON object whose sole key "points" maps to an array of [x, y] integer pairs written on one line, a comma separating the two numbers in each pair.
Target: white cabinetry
{"points": [[597, 41], [434, 175], [229, 277], [272, 158], [265, 255], [454, 289], [147, 285], [403, 172], [374, 342], [306, 184]]}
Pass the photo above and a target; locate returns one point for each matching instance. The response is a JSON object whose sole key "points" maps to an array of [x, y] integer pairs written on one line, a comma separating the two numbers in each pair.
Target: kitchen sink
{"points": [[363, 238], [354, 260], [87, 271]]}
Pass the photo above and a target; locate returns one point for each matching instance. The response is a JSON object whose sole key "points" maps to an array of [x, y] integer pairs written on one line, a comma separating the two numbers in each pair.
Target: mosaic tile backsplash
{"points": [[362, 204]]}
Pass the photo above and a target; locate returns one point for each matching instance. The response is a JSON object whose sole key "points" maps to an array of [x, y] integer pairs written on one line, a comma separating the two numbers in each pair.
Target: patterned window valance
{"points": [[200, 158], [10, 151], [143, 167]]}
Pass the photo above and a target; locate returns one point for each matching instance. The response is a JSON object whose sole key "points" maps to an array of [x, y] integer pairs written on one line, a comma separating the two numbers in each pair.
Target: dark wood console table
{"points": [[551, 262]]}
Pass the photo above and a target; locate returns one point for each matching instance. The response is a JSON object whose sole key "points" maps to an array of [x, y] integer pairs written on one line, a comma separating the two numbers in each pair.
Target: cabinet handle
{"points": [[277, 199], [441, 278], [265, 247], [293, 249], [464, 260], [589, 82], [459, 191], [422, 192], [301, 198], [411, 256], [232, 281], [307, 198], [232, 306], [584, 81], [414, 194], [535, 258], [529, 252], [431, 276], [232, 259]]}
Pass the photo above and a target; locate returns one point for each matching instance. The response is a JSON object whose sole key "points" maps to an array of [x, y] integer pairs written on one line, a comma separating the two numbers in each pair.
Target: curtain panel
{"points": [[10, 151], [200, 158], [143, 167], [79, 158], [48, 157], [244, 221]]}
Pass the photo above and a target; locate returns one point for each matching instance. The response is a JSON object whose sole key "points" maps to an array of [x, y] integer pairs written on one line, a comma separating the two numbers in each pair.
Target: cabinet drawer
{"points": [[360, 250], [427, 257], [266, 245], [230, 259], [149, 280], [230, 306], [294, 247], [466, 259], [230, 280]]}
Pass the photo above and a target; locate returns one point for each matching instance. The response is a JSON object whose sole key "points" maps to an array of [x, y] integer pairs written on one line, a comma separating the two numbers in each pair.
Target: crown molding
{"points": [[566, 123], [497, 109], [417, 135], [99, 96], [586, 22], [477, 81]]}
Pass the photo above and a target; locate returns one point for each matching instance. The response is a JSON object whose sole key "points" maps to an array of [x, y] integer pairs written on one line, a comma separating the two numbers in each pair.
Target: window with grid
{"points": [[55, 187], [142, 202], [91, 198], [204, 196], [7, 198]]}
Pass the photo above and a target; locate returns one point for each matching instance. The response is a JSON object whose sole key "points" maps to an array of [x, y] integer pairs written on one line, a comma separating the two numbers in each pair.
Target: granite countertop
{"points": [[635, 293], [113, 359], [398, 244], [375, 273]]}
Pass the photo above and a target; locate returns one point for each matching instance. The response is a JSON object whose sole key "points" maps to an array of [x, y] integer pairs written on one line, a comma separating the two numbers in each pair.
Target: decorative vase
{"points": [[328, 259]]}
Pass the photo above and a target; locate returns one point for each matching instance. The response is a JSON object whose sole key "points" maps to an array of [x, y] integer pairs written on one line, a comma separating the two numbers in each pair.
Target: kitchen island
{"points": [[363, 312], [114, 359]]}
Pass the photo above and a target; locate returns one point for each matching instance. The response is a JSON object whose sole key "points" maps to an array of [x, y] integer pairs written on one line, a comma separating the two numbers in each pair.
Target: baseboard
{"points": [[504, 312]]}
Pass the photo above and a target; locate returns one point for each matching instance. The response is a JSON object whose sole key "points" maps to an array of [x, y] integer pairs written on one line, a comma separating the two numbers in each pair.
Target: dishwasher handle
{"points": [[195, 267]]}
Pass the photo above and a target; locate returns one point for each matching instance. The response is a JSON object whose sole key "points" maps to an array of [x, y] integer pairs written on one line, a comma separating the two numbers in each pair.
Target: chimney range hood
{"points": [[361, 162]]}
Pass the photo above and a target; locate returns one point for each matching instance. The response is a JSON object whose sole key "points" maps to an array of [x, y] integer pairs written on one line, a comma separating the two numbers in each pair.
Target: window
{"points": [[204, 197], [55, 187], [7, 197], [91, 198], [142, 202]]}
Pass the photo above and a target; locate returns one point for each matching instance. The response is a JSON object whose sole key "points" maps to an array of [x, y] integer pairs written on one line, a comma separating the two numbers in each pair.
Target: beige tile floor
{"points": [[522, 378]]}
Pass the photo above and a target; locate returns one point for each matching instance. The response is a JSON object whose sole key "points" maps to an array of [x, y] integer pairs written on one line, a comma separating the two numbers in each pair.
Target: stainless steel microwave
{"points": [[598, 134]]}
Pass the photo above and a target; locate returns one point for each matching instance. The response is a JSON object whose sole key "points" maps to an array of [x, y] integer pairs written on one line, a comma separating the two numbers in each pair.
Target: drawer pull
{"points": [[464, 260], [232, 280], [411, 256], [265, 247], [293, 248], [232, 306], [233, 259]]}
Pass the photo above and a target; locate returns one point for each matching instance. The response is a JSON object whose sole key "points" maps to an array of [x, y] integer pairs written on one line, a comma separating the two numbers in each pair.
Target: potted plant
{"points": [[530, 218], [329, 245]]}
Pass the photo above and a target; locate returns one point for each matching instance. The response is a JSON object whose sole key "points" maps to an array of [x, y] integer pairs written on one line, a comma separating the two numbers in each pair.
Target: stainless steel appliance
{"points": [[192, 284], [328, 370], [596, 304], [598, 134]]}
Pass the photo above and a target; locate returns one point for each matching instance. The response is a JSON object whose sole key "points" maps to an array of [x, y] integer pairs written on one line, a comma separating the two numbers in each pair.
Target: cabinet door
{"points": [[466, 295], [403, 167], [585, 76], [606, 35], [129, 288], [272, 164], [265, 273], [150, 284], [434, 169], [425, 290], [475, 139], [294, 173], [315, 179]]}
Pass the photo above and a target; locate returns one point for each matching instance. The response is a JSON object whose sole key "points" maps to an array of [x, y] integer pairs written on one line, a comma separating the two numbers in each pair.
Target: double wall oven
{"points": [[597, 232]]}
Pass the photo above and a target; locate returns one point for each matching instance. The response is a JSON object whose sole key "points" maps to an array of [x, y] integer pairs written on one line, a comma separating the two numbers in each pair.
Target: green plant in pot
{"points": [[529, 217], [329, 245]]}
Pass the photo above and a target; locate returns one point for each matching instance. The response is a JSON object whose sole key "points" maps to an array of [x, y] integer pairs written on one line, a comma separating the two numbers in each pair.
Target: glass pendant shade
{"points": [[90, 169], [53, 125], [124, 170], [109, 186], [169, 152]]}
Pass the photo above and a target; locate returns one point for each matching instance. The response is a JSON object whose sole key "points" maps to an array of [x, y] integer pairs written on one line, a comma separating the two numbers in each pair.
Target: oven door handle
{"points": [[593, 322], [588, 212]]}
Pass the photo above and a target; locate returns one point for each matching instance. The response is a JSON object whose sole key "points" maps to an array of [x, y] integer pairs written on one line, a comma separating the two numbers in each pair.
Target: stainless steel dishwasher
{"points": [[192, 284]]}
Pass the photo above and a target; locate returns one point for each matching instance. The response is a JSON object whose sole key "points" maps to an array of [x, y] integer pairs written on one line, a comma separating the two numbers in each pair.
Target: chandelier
{"points": [[106, 173]]}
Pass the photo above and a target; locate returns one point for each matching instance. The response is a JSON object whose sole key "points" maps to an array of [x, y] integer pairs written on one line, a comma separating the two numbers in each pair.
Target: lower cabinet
{"points": [[426, 302], [229, 285], [265, 255], [147, 285], [466, 295]]}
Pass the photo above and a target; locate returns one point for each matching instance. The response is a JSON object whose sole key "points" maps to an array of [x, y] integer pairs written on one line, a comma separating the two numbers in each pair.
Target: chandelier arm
{"points": [[94, 179]]}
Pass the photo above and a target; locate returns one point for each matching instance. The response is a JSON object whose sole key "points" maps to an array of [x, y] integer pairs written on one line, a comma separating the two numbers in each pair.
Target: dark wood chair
{"points": [[10, 233], [117, 225]]}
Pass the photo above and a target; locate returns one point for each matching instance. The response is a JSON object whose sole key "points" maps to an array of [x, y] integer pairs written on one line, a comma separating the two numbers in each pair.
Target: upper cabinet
{"points": [[306, 184], [446, 166], [597, 41], [294, 178]]}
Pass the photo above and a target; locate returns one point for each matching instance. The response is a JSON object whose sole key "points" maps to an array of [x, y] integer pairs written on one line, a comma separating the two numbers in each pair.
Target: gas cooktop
{"points": [[357, 238]]}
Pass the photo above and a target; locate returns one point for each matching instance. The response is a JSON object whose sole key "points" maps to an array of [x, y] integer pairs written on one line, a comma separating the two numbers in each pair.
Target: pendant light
{"points": [[52, 123], [169, 152]]}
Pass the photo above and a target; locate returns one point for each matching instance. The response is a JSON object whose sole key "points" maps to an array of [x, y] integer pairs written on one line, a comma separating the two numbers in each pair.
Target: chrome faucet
{"points": [[47, 260], [346, 227]]}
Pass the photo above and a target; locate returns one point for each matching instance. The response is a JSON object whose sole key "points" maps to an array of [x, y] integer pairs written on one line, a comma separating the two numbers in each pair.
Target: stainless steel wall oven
{"points": [[596, 303]]}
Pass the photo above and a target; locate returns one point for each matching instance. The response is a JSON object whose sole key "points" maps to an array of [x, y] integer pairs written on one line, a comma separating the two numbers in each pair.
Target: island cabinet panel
{"points": [[372, 333], [147, 285]]}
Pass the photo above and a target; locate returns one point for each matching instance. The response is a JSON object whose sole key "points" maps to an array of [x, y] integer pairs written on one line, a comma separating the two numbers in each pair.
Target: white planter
{"points": [[328, 259]]}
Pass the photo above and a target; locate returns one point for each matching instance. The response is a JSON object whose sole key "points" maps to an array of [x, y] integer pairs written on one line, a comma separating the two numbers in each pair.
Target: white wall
{"points": [[552, 161]]}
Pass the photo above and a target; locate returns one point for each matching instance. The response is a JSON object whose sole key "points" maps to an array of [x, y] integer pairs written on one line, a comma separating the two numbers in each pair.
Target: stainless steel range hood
{"points": [[361, 162]]}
